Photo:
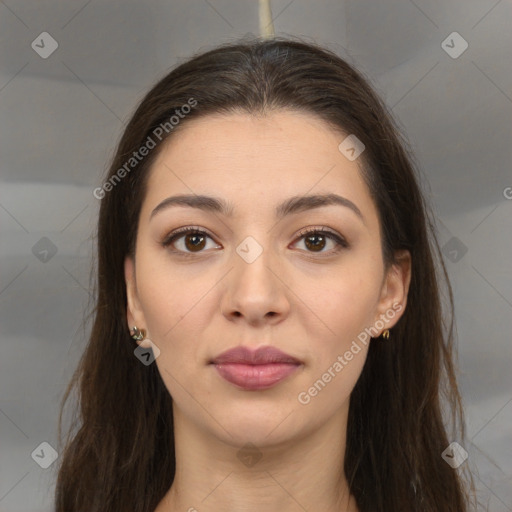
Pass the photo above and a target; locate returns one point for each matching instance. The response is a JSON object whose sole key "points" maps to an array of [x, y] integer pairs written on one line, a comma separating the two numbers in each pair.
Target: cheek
{"points": [[331, 388], [175, 313], [345, 301], [169, 298], [343, 352], [346, 307], [178, 305], [337, 359]]}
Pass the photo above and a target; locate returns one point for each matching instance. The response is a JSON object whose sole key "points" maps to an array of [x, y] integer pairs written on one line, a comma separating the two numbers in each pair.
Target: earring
{"points": [[137, 334], [385, 334]]}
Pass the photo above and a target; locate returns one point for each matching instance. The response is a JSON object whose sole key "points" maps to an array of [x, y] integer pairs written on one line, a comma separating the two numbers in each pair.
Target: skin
{"points": [[311, 305]]}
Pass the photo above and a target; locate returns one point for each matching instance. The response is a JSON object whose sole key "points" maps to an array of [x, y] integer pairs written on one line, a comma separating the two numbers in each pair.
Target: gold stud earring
{"points": [[137, 334], [385, 334]]}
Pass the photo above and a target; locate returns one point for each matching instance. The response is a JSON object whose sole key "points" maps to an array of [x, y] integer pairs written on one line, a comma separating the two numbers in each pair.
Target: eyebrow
{"points": [[295, 204]]}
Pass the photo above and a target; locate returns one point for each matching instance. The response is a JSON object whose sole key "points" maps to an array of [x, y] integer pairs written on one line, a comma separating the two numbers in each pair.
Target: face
{"points": [[305, 280]]}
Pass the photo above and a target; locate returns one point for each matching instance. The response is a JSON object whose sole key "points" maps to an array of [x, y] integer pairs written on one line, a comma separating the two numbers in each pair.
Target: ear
{"points": [[394, 290], [134, 313]]}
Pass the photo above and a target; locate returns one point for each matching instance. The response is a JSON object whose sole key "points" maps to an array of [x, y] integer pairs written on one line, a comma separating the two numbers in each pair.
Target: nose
{"points": [[255, 291]]}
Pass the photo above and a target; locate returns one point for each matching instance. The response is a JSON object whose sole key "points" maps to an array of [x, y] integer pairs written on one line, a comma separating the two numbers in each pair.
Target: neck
{"points": [[285, 476]]}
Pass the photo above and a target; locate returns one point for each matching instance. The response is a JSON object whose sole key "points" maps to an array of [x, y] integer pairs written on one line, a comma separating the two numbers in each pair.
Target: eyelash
{"points": [[340, 242]]}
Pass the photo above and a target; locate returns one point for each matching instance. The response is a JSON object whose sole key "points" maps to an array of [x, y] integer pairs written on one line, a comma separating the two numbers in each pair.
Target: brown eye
{"points": [[194, 241], [315, 240]]}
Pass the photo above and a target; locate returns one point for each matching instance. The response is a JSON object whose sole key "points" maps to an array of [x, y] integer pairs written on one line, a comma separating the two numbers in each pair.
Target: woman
{"points": [[268, 332]]}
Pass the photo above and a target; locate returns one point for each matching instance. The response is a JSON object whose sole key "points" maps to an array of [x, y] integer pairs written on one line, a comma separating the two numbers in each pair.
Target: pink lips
{"points": [[255, 370]]}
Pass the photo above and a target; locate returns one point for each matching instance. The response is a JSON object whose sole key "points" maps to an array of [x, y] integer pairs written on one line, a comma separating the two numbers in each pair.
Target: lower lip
{"points": [[255, 377]]}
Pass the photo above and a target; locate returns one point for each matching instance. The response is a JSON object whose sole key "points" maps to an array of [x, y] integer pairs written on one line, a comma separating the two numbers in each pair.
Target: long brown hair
{"points": [[119, 451]]}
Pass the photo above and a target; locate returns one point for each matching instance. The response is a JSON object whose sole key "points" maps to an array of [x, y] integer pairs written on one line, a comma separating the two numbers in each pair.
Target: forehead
{"points": [[247, 158], [279, 134]]}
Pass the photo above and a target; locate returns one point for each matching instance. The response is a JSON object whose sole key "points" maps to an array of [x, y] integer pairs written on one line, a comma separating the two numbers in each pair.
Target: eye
{"points": [[194, 240], [315, 239]]}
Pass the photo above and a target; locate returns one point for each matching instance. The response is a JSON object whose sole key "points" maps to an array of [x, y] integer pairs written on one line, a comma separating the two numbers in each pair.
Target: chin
{"points": [[258, 423]]}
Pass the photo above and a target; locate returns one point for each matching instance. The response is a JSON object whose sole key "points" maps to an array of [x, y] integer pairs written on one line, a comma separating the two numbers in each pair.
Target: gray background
{"points": [[62, 116]]}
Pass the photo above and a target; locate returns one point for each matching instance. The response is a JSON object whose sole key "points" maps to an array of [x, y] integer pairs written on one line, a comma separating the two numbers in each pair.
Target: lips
{"points": [[255, 370], [263, 355]]}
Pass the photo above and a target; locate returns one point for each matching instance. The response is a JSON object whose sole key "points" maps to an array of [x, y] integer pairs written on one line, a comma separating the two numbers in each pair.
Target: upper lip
{"points": [[262, 355]]}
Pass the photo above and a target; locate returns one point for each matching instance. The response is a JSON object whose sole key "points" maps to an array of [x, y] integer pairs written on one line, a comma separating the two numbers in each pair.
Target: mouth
{"points": [[257, 376], [255, 370]]}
